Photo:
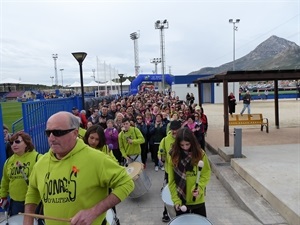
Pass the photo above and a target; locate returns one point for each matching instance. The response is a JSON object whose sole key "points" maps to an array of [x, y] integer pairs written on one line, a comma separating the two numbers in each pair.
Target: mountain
{"points": [[273, 53]]}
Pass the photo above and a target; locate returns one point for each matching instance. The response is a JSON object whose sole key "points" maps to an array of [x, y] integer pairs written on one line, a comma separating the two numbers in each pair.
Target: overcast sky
{"points": [[199, 34]]}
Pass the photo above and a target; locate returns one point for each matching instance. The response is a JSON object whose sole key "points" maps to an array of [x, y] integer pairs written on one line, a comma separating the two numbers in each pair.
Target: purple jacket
{"points": [[111, 135]]}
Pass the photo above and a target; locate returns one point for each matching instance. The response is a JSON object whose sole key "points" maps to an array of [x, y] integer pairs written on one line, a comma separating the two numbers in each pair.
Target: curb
{"points": [[245, 196]]}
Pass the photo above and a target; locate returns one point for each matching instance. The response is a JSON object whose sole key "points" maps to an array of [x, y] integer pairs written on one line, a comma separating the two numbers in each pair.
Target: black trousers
{"points": [[117, 153], [154, 151], [144, 152]]}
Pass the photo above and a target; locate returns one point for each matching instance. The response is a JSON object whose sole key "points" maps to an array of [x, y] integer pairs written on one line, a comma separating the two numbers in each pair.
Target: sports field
{"points": [[11, 112]]}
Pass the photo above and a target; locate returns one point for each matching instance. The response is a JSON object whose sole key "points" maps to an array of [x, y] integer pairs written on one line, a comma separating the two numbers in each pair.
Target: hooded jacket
{"points": [[137, 139], [78, 181], [164, 148], [191, 177], [14, 182]]}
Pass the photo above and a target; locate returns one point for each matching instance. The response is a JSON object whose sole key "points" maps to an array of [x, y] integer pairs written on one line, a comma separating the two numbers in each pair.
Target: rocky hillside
{"points": [[274, 53]]}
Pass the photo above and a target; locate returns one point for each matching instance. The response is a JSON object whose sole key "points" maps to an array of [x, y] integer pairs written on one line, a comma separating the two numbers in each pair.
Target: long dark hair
{"points": [[185, 134], [95, 129]]}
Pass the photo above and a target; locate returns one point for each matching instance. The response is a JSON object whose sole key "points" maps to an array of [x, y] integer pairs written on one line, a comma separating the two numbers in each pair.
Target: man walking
{"points": [[74, 183], [246, 102]]}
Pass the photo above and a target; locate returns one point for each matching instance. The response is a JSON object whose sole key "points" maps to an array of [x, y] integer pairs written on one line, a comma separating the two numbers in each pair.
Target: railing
{"points": [[36, 114]]}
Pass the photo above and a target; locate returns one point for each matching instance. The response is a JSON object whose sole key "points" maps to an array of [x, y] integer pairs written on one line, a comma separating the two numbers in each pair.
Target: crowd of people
{"points": [[84, 144], [150, 113]]}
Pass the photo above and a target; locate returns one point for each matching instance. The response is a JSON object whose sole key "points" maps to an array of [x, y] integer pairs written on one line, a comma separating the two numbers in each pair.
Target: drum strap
{"points": [[134, 158], [192, 207]]}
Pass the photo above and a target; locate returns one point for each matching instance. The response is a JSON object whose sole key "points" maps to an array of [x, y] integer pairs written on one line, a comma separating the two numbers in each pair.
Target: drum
{"points": [[141, 181], [166, 197], [16, 220], [190, 219], [111, 217]]}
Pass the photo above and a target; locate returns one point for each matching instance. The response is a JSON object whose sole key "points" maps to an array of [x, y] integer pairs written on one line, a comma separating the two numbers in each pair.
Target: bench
{"points": [[249, 119]]}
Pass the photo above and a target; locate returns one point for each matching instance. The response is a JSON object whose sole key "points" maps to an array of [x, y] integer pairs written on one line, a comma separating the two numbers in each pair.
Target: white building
{"points": [[211, 92]]}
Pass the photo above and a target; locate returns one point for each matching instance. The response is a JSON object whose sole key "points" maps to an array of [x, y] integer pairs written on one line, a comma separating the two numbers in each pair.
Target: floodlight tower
{"points": [[155, 61], [55, 56], [93, 76], [51, 77], [161, 25], [62, 77], [135, 36]]}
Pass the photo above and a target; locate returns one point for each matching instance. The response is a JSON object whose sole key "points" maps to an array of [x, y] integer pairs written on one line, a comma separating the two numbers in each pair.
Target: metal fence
{"points": [[35, 115], [2, 145]]}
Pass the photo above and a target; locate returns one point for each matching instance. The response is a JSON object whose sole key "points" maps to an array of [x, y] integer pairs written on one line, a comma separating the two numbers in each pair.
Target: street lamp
{"points": [[121, 75], [80, 56], [55, 56], [235, 28], [161, 25], [62, 77]]}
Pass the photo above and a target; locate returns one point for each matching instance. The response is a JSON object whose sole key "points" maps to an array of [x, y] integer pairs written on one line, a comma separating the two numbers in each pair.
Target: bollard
{"points": [[237, 149]]}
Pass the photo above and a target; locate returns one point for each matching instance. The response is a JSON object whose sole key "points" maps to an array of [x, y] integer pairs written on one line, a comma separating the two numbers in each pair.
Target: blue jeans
{"points": [[246, 106]]}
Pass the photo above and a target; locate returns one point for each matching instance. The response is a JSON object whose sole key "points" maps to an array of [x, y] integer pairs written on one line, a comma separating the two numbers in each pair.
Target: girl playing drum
{"points": [[188, 192]]}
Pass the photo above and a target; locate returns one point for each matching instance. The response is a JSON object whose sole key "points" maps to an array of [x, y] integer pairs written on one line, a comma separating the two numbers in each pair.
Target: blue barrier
{"points": [[36, 114], [2, 145], [169, 79]]}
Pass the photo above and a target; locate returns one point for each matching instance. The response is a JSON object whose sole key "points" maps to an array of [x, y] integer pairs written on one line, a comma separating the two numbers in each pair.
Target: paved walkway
{"points": [[271, 163], [147, 210]]}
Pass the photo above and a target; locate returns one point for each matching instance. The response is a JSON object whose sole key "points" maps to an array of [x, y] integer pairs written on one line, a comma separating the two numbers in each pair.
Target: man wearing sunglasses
{"points": [[73, 179]]}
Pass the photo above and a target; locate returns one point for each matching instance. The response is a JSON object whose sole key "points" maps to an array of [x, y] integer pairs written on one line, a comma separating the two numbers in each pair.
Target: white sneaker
{"points": [[162, 168], [156, 168]]}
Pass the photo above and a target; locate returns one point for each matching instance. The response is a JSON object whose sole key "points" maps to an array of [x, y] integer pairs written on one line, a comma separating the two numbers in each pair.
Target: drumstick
{"points": [[45, 217], [200, 165]]}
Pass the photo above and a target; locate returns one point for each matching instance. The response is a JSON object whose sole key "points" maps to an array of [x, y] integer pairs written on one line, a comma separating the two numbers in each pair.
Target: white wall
{"points": [[182, 89], [219, 91]]}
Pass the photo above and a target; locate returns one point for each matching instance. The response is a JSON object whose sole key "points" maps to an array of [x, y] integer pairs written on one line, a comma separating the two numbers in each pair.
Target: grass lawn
{"points": [[11, 112]]}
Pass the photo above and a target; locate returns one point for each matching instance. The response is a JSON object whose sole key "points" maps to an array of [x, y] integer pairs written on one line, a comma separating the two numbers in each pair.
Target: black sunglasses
{"points": [[58, 133], [17, 141]]}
